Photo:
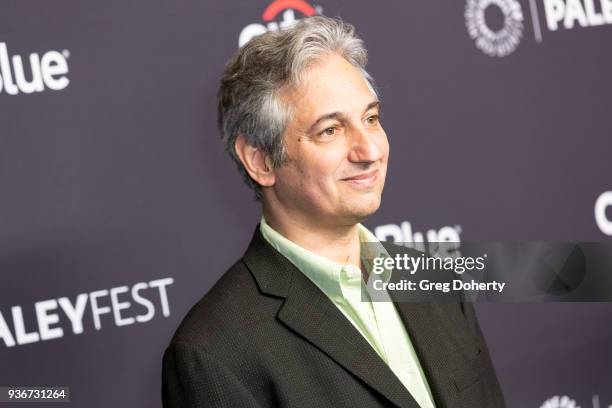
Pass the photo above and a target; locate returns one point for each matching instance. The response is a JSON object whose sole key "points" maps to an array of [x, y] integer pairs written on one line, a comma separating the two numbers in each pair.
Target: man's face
{"points": [[336, 147]]}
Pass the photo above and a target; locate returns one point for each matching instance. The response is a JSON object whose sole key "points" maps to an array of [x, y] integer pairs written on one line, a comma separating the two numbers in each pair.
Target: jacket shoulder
{"points": [[231, 308]]}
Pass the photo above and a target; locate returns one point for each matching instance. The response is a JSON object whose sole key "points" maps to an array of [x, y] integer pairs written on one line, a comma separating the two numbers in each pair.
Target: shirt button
{"points": [[409, 371]]}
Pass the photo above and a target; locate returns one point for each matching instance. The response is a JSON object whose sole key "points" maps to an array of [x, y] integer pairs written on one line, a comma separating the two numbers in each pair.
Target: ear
{"points": [[256, 162]]}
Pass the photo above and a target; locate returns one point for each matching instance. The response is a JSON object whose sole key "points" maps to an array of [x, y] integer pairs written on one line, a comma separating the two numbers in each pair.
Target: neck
{"points": [[339, 243]]}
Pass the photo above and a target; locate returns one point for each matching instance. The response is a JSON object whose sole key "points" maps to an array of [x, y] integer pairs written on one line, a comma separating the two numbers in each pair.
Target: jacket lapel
{"points": [[309, 313], [425, 333], [430, 325]]}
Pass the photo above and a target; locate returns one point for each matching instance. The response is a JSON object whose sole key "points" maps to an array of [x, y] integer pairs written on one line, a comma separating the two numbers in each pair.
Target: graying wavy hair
{"points": [[249, 100]]}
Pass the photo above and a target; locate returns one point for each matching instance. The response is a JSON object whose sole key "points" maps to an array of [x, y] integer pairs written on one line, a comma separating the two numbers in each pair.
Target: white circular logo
{"points": [[603, 202], [560, 402], [497, 43]]}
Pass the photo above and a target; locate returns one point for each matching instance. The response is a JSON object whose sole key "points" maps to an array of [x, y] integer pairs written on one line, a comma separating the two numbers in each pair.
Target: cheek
{"points": [[307, 177], [321, 179], [321, 166]]}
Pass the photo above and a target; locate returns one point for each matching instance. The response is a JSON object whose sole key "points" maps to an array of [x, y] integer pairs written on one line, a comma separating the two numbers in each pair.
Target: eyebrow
{"points": [[339, 115]]}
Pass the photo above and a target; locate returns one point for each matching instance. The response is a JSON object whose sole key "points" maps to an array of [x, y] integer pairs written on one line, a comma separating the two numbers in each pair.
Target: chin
{"points": [[365, 209]]}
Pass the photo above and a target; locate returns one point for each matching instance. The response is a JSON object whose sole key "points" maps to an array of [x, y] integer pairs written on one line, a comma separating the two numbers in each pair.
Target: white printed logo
{"points": [[560, 402], [571, 13], [126, 305], [48, 71], [604, 201], [287, 9], [497, 43], [403, 233], [567, 14]]}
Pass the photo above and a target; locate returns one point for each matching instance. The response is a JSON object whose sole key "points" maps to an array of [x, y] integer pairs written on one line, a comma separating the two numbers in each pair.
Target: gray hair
{"points": [[249, 100]]}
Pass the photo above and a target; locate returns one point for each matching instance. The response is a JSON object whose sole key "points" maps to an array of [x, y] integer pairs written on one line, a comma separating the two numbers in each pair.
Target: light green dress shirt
{"points": [[378, 322]]}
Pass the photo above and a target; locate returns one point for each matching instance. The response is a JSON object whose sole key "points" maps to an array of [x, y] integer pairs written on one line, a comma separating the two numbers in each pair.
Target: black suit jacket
{"points": [[266, 336]]}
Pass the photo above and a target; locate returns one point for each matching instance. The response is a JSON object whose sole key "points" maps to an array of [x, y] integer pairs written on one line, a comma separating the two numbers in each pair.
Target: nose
{"points": [[365, 145]]}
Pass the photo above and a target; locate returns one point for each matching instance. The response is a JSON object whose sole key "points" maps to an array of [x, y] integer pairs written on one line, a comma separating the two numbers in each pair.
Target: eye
{"points": [[330, 131], [372, 119]]}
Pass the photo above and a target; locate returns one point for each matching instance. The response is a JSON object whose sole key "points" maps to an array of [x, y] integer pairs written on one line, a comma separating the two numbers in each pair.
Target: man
{"points": [[286, 325]]}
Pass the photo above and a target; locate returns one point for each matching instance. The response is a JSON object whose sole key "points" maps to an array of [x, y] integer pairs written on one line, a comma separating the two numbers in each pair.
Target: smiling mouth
{"points": [[364, 179]]}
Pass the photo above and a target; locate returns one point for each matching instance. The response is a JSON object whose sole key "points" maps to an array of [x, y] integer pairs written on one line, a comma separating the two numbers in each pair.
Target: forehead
{"points": [[331, 84]]}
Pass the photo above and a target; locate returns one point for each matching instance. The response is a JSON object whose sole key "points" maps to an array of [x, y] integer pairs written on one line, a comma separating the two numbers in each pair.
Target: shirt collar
{"points": [[330, 276]]}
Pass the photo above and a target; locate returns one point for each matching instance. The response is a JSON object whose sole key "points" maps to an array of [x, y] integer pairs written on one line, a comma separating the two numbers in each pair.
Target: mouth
{"points": [[364, 179]]}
